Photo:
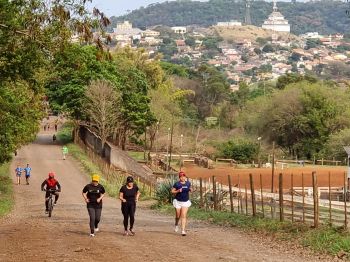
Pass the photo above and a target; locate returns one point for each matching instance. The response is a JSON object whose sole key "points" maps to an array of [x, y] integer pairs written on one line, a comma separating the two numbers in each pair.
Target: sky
{"points": [[121, 7]]}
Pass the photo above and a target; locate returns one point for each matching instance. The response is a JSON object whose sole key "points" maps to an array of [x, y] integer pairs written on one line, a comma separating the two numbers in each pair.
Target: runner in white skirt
{"points": [[181, 189]]}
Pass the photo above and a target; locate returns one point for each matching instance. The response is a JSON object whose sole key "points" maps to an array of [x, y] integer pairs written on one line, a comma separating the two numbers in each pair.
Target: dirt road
{"points": [[27, 234]]}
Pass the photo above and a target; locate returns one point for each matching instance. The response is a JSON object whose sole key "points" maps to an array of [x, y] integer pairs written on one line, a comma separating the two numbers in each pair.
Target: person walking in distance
{"points": [[18, 172], [64, 152], [129, 194], [93, 194], [181, 189], [27, 171], [53, 184]]}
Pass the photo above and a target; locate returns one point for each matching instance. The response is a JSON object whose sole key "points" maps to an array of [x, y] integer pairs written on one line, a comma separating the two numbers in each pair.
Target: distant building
{"points": [[179, 29], [229, 24], [276, 21], [311, 35], [150, 33], [124, 25]]}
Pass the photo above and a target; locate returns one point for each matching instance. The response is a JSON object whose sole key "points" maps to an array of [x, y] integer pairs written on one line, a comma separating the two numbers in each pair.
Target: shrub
{"points": [[240, 149]]}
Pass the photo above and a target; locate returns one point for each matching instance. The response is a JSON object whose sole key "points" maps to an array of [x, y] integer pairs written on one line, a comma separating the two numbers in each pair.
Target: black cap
{"points": [[129, 179]]}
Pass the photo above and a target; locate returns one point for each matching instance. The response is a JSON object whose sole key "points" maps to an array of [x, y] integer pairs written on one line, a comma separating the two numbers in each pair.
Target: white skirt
{"points": [[179, 204]]}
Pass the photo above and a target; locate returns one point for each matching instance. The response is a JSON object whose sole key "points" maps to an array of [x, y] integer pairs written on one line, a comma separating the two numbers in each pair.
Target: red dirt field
{"points": [[221, 173]]}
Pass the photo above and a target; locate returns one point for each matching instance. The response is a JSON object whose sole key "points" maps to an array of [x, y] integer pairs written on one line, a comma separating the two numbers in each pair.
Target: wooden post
{"points": [[262, 197], [214, 193], [345, 198], [330, 198], [281, 197], [231, 195], [246, 200], [201, 193], [273, 166], [292, 186], [322, 161], [252, 194], [239, 196], [303, 195], [315, 195]]}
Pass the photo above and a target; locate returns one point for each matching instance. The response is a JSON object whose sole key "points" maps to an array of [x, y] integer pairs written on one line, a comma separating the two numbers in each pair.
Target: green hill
{"points": [[322, 16]]}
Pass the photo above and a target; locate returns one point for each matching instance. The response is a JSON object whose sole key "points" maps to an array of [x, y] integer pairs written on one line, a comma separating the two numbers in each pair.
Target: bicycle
{"points": [[50, 200]]}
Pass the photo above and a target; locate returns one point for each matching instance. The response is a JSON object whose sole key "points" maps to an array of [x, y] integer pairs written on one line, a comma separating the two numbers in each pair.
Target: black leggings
{"points": [[128, 210], [95, 217]]}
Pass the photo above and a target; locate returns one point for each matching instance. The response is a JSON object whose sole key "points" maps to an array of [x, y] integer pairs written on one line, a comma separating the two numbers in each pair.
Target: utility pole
{"points": [[171, 143]]}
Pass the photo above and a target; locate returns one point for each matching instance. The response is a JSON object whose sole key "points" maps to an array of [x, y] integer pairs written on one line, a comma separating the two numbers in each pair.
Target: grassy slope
{"points": [[6, 190], [324, 240]]}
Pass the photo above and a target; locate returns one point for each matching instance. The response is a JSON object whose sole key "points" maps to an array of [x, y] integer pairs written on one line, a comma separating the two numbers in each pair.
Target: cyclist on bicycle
{"points": [[50, 184]]}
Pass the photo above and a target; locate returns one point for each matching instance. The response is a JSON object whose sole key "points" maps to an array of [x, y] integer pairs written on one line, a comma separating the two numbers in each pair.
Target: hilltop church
{"points": [[276, 21]]}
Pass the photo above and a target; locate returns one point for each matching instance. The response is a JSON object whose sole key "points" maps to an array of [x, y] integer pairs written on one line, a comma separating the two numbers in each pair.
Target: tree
{"points": [[102, 108], [290, 78], [303, 123], [268, 48], [241, 149], [31, 33]]}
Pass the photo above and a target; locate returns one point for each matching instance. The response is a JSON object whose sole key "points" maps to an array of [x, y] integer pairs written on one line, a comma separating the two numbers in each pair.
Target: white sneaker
{"points": [[176, 229], [183, 233], [92, 235], [97, 229]]}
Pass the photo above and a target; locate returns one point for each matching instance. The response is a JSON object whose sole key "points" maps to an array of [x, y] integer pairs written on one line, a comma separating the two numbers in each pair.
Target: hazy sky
{"points": [[120, 7]]}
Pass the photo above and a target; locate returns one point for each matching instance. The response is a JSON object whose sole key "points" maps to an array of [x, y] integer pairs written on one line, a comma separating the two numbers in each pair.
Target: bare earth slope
{"points": [[27, 234]]}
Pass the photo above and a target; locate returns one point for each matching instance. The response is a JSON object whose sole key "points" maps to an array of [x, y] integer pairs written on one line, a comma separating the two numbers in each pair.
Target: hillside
{"points": [[324, 17], [240, 33]]}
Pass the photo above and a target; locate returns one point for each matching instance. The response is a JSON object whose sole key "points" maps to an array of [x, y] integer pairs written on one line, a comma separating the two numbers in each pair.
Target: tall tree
{"points": [[102, 108]]}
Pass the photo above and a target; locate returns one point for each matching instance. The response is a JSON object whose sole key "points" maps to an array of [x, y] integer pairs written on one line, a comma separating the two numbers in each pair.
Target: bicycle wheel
{"points": [[50, 206]]}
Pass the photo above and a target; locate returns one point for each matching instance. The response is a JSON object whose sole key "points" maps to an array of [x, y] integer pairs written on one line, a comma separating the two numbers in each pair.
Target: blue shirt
{"points": [[27, 170], [18, 171], [184, 195]]}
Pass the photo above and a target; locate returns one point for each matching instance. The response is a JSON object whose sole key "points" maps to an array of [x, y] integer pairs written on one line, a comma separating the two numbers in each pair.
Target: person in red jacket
{"points": [[53, 184]]}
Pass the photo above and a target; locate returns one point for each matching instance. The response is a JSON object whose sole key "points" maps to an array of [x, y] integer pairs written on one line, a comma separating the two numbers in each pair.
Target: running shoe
{"points": [[92, 235], [183, 233], [97, 229], [125, 233], [132, 233], [176, 229], [46, 211], [55, 203]]}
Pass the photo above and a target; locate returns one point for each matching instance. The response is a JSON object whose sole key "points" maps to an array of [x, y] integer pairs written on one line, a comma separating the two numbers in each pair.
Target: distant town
{"points": [[242, 52]]}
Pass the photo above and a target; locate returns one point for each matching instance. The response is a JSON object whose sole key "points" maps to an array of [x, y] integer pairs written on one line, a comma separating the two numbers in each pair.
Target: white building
{"points": [[150, 33], [179, 29], [232, 23], [124, 25], [276, 21], [311, 35]]}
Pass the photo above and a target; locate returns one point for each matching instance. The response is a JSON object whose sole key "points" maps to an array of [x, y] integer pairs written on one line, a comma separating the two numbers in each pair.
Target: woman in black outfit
{"points": [[93, 194], [129, 194]]}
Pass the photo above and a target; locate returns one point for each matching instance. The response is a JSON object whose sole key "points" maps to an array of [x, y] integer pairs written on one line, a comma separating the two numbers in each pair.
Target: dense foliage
{"points": [[322, 16], [31, 33]]}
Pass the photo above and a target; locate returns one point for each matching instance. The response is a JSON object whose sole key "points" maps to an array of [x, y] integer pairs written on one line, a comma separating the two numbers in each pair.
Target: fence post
{"points": [[230, 189], [262, 197], [252, 194], [303, 195], [315, 195], [330, 198], [281, 196], [345, 198], [201, 193], [214, 193], [246, 200], [292, 185]]}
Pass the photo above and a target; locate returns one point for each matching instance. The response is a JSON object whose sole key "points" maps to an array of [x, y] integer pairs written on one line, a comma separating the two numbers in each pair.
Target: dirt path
{"points": [[27, 234]]}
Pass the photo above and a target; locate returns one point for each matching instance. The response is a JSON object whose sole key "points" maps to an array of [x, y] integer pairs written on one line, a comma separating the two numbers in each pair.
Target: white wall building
{"points": [[231, 23], [179, 29], [276, 21]]}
